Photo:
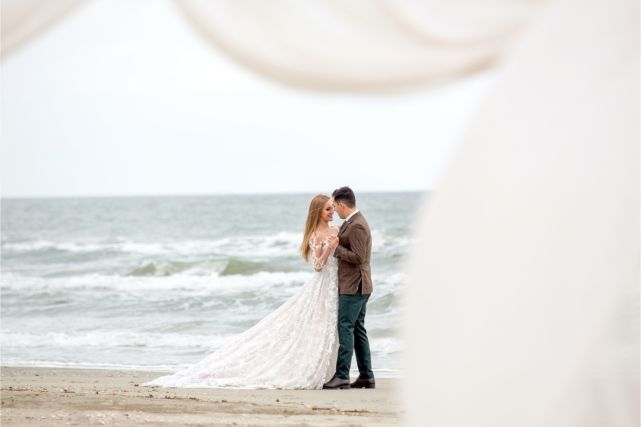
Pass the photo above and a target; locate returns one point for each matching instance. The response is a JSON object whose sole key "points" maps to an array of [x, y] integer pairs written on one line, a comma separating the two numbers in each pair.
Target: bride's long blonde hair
{"points": [[313, 217]]}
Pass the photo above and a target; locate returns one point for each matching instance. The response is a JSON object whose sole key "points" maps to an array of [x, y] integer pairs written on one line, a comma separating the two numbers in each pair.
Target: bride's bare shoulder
{"points": [[323, 235]]}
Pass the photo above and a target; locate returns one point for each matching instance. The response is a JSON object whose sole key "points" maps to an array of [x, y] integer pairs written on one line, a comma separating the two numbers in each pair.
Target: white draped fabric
{"points": [[360, 45], [23, 19], [525, 275], [353, 46]]}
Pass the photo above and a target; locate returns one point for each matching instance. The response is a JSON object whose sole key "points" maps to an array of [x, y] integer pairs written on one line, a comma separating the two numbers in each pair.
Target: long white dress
{"points": [[294, 347]]}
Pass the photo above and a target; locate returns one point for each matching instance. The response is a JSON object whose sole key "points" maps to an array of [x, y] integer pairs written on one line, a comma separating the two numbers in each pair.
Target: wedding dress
{"points": [[294, 347]]}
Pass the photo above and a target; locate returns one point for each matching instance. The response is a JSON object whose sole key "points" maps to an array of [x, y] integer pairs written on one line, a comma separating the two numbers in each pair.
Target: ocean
{"points": [[156, 282]]}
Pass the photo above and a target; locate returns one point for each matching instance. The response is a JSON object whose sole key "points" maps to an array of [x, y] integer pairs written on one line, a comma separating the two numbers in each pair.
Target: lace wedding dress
{"points": [[294, 347]]}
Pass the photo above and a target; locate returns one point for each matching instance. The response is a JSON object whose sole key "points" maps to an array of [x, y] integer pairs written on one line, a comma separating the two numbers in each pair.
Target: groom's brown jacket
{"points": [[354, 252]]}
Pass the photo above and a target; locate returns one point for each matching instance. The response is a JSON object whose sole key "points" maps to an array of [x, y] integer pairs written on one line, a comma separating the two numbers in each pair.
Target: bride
{"points": [[294, 347]]}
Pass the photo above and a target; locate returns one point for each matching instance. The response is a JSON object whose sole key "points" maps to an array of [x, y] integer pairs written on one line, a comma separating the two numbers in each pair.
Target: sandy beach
{"points": [[83, 397]]}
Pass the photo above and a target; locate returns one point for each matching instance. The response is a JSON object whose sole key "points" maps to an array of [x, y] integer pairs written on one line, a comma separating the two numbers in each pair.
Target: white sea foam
{"points": [[220, 284], [278, 244], [74, 349], [125, 338], [44, 363], [102, 339], [282, 243]]}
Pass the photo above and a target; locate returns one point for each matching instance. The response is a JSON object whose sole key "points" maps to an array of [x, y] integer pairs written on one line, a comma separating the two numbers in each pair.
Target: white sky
{"points": [[126, 98]]}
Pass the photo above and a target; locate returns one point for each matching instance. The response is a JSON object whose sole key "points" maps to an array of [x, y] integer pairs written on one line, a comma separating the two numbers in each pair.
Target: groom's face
{"points": [[339, 208]]}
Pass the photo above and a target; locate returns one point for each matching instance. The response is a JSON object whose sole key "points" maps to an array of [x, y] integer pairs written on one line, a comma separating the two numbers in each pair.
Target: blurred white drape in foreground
{"points": [[24, 19], [360, 45], [523, 301], [353, 46]]}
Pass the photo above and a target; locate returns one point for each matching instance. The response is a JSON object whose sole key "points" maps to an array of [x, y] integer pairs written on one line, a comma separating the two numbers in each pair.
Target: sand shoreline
{"points": [[67, 396]]}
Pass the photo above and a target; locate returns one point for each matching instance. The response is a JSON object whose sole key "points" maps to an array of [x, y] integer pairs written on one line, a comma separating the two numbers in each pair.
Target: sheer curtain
{"points": [[525, 275], [22, 20], [360, 45], [350, 46]]}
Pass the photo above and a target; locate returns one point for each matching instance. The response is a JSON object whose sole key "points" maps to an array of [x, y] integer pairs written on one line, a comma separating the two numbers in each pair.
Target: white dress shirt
{"points": [[351, 215]]}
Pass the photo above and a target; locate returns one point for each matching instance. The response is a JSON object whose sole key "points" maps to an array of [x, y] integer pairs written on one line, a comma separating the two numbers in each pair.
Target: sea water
{"points": [[157, 282]]}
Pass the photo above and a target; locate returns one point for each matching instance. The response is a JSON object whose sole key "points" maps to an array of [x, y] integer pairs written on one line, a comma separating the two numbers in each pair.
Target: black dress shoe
{"points": [[363, 383], [335, 383]]}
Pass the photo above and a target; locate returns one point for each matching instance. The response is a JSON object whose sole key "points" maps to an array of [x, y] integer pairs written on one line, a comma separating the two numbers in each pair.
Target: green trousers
{"points": [[352, 336]]}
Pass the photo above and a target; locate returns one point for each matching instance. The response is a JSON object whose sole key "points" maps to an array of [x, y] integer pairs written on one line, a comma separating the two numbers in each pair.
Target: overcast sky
{"points": [[125, 98]]}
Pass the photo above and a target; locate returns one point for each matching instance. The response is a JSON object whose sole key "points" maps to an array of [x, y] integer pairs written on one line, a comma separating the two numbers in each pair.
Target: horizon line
{"points": [[268, 193]]}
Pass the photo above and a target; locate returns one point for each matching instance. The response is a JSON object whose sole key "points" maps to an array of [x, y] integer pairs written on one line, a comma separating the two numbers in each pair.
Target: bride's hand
{"points": [[333, 241]]}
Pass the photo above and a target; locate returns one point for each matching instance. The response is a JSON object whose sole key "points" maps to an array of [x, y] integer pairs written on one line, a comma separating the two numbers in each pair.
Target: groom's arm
{"points": [[358, 243]]}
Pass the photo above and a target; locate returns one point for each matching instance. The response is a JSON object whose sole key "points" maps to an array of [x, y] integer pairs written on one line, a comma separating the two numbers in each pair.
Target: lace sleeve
{"points": [[320, 253]]}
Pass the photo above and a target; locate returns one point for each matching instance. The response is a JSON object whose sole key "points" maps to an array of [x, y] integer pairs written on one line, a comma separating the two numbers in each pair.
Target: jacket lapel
{"points": [[343, 228], [345, 224]]}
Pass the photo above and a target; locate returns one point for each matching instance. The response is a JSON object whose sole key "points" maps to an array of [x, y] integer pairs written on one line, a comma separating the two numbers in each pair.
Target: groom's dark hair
{"points": [[345, 195]]}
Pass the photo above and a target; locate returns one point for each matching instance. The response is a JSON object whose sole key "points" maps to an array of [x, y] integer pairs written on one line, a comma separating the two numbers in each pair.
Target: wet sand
{"points": [[86, 397]]}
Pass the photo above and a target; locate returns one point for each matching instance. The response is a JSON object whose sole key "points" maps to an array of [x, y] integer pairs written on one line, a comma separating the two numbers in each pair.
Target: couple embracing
{"points": [[307, 342]]}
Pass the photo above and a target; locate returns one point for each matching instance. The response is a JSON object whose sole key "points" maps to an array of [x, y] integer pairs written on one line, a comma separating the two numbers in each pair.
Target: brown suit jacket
{"points": [[354, 252]]}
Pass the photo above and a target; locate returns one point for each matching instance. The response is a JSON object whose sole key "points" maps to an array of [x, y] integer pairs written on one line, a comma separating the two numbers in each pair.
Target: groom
{"points": [[354, 288]]}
